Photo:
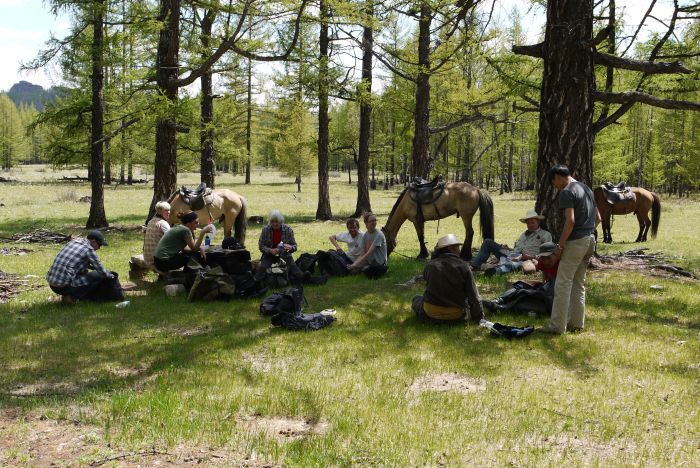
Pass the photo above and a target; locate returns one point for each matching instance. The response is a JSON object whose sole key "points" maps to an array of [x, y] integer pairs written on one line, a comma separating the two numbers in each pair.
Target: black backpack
{"points": [[231, 243], [289, 302], [247, 286], [306, 322], [233, 262], [333, 263], [307, 262], [109, 289]]}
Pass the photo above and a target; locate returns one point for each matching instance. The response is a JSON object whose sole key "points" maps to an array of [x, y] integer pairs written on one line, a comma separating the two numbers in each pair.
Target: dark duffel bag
{"points": [[333, 263], [233, 262], [109, 289]]}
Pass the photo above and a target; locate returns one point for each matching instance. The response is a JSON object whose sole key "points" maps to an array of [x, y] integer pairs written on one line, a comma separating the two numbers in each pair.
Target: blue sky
{"points": [[25, 25]]}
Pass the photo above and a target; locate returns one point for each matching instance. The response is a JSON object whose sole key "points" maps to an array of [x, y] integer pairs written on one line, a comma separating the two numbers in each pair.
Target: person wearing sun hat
{"points": [[520, 257], [69, 275], [450, 293]]}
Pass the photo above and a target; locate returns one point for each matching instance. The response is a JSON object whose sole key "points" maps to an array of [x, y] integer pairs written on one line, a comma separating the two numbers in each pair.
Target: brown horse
{"points": [[225, 206], [458, 198], [644, 202]]}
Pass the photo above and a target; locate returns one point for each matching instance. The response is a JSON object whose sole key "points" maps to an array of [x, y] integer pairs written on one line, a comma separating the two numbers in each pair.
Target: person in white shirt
{"points": [[352, 237]]}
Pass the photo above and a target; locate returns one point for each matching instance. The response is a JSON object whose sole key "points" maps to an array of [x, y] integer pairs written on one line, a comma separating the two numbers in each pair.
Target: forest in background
{"points": [[380, 91]]}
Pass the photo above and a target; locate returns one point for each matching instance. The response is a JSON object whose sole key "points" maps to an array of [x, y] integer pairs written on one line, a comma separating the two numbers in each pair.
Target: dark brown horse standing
{"points": [[458, 198], [644, 201]]}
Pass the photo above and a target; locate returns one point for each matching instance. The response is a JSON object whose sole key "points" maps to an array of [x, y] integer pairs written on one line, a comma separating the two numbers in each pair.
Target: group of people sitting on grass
{"points": [[451, 293]]}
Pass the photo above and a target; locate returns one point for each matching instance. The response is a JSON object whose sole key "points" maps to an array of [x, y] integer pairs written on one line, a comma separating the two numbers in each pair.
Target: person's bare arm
{"points": [[598, 219], [569, 220], [361, 261], [334, 241]]}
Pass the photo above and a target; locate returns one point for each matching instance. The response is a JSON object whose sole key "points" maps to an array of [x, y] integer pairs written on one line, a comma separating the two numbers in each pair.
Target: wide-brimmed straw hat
{"points": [[530, 215], [446, 241]]}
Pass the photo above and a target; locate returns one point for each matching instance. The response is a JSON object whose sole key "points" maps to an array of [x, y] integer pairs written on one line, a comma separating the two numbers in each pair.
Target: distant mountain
{"points": [[28, 93]]}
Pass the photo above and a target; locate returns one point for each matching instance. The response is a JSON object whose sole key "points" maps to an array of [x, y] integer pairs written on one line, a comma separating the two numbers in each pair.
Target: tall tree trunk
{"points": [[511, 152], [249, 109], [420, 162], [97, 217], [566, 101], [206, 137], [323, 210], [365, 94], [165, 172]]}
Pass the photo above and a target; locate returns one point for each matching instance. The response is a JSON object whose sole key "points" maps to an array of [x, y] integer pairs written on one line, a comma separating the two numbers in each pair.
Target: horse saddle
{"points": [[423, 191], [616, 193], [196, 198]]}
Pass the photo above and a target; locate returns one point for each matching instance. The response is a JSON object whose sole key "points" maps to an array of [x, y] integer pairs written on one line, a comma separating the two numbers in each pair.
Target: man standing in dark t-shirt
{"points": [[575, 248]]}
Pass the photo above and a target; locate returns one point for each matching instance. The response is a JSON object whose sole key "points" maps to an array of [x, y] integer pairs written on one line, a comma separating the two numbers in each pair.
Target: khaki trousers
{"points": [[569, 307]]}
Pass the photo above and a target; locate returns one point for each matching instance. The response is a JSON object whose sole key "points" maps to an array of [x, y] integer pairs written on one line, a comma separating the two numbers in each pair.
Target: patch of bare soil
{"points": [[589, 448], [447, 382], [282, 427], [189, 331], [28, 440], [44, 389]]}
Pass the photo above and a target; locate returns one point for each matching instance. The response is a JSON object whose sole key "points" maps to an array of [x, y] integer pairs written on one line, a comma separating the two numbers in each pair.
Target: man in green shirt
{"points": [[177, 245]]}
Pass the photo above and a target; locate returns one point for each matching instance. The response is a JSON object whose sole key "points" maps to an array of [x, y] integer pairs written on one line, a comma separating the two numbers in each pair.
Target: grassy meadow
{"points": [[175, 377]]}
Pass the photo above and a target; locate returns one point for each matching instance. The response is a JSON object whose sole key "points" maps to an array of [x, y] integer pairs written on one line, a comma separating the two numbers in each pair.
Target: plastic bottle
{"points": [[123, 304], [209, 235]]}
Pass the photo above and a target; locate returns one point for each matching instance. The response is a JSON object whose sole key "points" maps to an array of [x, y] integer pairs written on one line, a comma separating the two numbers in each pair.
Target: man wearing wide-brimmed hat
{"points": [[526, 248], [450, 292]]}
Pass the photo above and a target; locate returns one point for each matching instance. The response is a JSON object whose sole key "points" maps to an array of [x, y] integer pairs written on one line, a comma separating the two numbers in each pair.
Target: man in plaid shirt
{"points": [[69, 275]]}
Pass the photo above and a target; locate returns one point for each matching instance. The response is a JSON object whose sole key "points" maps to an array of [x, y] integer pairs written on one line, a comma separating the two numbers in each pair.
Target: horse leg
{"points": [[229, 218], [644, 224], [607, 235], [466, 252], [421, 239]]}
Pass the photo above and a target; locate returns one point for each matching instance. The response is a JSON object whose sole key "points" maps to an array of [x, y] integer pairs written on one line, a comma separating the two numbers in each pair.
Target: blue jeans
{"points": [[488, 247], [78, 292]]}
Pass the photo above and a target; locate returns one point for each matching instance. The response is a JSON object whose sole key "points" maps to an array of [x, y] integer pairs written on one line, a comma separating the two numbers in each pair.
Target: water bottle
{"points": [[123, 304], [280, 248], [209, 235]]}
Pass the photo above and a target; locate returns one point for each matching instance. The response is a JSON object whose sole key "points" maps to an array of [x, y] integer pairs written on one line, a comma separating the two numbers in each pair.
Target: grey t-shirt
{"points": [[579, 197], [377, 239]]}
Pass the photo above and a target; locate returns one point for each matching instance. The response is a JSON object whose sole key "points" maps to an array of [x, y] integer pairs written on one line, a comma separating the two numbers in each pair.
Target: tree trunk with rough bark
{"points": [[165, 172], [420, 162], [323, 210], [207, 166], [97, 217], [363, 203], [566, 102]]}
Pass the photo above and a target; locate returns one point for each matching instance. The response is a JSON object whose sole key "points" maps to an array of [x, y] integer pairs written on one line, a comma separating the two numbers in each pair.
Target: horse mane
{"points": [[172, 196], [396, 204]]}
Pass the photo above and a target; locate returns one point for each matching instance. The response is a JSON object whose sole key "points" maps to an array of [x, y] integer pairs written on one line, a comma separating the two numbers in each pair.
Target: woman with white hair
{"points": [[277, 243], [156, 227]]}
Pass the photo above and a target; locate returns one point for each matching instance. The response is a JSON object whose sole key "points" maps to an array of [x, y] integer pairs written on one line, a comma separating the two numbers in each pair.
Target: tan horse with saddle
{"points": [[223, 205], [621, 200], [436, 200]]}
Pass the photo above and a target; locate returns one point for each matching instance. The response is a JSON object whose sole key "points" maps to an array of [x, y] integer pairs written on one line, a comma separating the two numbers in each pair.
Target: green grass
{"points": [[164, 372]]}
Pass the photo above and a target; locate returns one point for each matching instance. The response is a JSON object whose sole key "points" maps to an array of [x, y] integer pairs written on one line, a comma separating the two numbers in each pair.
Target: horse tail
{"points": [[655, 214], [240, 225], [486, 215]]}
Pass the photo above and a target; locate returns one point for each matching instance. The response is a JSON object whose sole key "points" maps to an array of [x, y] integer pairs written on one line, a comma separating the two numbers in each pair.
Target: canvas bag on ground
{"points": [[211, 284], [277, 275]]}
